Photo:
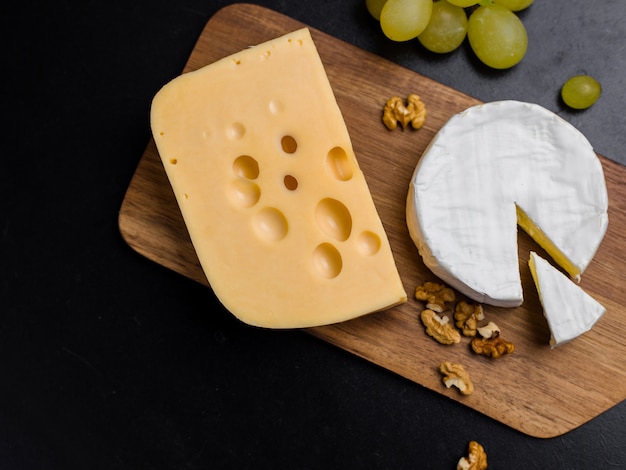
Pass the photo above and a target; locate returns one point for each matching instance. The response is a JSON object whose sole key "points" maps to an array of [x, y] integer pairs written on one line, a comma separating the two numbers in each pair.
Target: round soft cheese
{"points": [[495, 166]]}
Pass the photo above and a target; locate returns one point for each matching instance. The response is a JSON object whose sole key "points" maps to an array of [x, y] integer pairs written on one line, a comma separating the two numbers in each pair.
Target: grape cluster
{"points": [[494, 31]]}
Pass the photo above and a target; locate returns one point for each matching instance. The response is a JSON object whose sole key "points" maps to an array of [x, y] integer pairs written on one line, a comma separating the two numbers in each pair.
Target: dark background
{"points": [[109, 361]]}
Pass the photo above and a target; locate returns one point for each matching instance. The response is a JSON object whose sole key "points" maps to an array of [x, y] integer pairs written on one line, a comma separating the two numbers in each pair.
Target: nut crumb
{"points": [[489, 330]]}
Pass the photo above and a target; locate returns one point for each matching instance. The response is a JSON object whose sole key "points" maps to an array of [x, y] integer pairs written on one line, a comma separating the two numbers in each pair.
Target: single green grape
{"points": [[402, 20], [375, 7], [581, 91], [514, 5], [447, 28], [497, 36], [463, 3]]}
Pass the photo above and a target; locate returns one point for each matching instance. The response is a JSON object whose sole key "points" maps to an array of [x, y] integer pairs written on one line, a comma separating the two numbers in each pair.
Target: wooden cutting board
{"points": [[537, 390]]}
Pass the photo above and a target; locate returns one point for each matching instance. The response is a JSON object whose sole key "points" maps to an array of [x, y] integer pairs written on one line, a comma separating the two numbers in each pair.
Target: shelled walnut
{"points": [[439, 327], [435, 295], [395, 111], [456, 375], [493, 347], [476, 459], [467, 316]]}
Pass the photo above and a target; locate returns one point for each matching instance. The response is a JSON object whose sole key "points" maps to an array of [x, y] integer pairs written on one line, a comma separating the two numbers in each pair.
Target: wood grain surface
{"points": [[537, 390]]}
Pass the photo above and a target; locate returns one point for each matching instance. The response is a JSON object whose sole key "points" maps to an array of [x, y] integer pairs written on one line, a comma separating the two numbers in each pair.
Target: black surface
{"points": [[110, 361]]}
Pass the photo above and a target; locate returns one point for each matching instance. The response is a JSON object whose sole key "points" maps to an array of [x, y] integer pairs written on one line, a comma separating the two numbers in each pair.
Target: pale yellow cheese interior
{"points": [[543, 241], [262, 166]]}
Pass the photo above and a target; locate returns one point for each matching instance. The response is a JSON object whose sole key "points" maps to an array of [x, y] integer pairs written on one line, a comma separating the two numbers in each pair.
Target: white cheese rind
{"points": [[461, 204], [569, 310]]}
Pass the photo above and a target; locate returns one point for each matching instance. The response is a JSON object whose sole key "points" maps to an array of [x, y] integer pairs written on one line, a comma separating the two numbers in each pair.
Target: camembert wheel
{"points": [[491, 168]]}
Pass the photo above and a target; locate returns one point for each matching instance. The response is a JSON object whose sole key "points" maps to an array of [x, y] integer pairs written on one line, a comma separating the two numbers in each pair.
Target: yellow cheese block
{"points": [[280, 215]]}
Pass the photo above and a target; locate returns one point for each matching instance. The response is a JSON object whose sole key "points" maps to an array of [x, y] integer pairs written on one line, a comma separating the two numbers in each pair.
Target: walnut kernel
{"points": [[435, 295], [456, 375], [395, 111], [439, 327], [493, 347], [467, 317], [476, 459]]}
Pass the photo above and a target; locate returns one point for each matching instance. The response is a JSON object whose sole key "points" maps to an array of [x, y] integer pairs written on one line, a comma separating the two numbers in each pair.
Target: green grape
{"points": [[497, 36], [446, 29], [375, 7], [464, 3], [514, 5], [402, 20], [581, 91]]}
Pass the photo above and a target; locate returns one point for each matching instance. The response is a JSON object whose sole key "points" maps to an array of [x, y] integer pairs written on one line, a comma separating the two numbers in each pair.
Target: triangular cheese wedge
{"points": [[569, 310], [277, 208]]}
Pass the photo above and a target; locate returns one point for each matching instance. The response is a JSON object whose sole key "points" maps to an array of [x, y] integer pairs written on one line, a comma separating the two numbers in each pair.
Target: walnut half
{"points": [[395, 111], [467, 317], [439, 328], [456, 375], [435, 295], [476, 459], [493, 347]]}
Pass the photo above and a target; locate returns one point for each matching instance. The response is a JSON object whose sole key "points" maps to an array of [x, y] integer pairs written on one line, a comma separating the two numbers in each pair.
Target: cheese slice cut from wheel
{"points": [[569, 310], [491, 168], [260, 161]]}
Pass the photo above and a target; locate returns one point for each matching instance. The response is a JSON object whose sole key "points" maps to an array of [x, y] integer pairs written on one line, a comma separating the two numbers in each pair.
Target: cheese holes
{"points": [[246, 167], [334, 219], [235, 131], [289, 144], [270, 224], [338, 164], [291, 183], [243, 193], [327, 261], [368, 243]]}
